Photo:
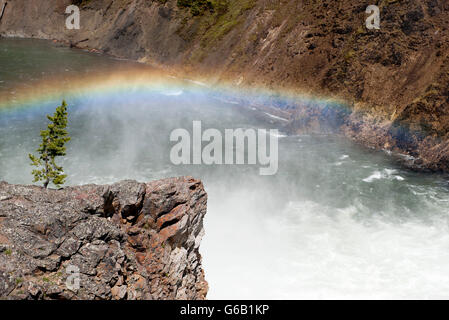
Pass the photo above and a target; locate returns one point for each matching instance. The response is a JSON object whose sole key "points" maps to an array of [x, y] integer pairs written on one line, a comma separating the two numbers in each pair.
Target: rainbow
{"points": [[132, 81]]}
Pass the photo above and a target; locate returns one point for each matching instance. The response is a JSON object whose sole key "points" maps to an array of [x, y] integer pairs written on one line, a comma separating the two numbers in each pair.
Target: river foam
{"points": [[336, 221]]}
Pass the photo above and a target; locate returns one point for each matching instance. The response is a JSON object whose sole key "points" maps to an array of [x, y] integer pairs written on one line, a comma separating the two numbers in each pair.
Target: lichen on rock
{"points": [[129, 240]]}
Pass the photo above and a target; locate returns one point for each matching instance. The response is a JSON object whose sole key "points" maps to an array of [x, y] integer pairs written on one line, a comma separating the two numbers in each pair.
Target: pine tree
{"points": [[52, 146]]}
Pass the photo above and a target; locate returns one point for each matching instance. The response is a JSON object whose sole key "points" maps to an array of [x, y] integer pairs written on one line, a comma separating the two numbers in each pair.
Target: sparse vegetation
{"points": [[80, 3], [197, 7], [214, 24]]}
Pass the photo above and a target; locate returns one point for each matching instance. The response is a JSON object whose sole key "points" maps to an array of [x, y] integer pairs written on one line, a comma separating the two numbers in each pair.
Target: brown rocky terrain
{"points": [[394, 81], [128, 240]]}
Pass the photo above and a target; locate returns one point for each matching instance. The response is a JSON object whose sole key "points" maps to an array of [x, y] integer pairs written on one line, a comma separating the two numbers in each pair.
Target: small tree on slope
{"points": [[52, 146]]}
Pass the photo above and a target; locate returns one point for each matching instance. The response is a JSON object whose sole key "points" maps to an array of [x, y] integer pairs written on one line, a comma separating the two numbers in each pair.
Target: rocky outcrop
{"points": [[128, 240], [395, 80]]}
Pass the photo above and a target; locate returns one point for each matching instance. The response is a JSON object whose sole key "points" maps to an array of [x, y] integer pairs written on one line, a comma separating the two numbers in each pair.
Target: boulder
{"points": [[128, 240]]}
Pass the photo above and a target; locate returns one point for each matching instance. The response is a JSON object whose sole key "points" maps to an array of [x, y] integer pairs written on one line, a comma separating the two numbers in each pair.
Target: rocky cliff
{"points": [[128, 240], [395, 81]]}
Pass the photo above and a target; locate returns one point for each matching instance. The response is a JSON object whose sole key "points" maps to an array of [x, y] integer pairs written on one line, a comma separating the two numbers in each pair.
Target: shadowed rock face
{"points": [[128, 240]]}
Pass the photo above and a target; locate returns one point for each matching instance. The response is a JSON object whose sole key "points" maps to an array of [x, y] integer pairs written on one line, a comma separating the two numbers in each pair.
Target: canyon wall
{"points": [[128, 240], [395, 81]]}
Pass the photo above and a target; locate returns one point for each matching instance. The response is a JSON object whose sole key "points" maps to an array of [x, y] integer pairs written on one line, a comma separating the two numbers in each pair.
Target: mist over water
{"points": [[336, 221]]}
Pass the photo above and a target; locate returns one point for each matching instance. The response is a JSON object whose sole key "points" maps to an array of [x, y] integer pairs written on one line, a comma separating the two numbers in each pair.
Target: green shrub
{"points": [[197, 7]]}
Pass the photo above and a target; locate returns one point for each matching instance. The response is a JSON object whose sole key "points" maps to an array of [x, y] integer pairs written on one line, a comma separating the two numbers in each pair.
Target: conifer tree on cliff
{"points": [[52, 146]]}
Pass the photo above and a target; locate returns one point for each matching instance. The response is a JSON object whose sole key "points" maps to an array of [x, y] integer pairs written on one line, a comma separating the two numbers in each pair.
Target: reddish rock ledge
{"points": [[129, 240]]}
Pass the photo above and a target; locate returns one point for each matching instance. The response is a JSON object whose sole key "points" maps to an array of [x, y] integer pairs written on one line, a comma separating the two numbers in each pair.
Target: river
{"points": [[336, 221]]}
